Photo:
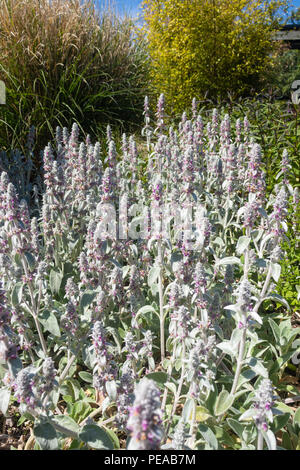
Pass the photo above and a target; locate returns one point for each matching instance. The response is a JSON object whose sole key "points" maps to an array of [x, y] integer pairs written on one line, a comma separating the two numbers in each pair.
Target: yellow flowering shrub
{"points": [[214, 46]]}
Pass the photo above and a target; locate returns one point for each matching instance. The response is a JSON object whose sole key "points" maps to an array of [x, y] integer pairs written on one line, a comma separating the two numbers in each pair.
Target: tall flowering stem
{"points": [[161, 304]]}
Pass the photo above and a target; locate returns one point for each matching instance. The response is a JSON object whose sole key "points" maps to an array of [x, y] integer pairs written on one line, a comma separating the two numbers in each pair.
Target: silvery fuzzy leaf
{"points": [[275, 271], [168, 243], [237, 427], [233, 308], [105, 404], [178, 362], [14, 366], [96, 437], [256, 234], [87, 298], [16, 295], [111, 389], [55, 280], [126, 270], [219, 331], [236, 337], [256, 317], [228, 260], [146, 309], [251, 197], [219, 241], [151, 363], [46, 436], [88, 356], [67, 422], [263, 212], [171, 386], [246, 376], [263, 243], [4, 399], [160, 378], [296, 419], [114, 332], [188, 409], [261, 263], [30, 260], [270, 439], [151, 242], [227, 348], [242, 244], [249, 434], [49, 322], [248, 415], [279, 299], [154, 289], [153, 275], [208, 436], [223, 403], [240, 212], [257, 367], [186, 290]]}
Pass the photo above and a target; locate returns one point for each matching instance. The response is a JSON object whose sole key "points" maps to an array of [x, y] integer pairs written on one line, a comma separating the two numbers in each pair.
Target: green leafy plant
{"points": [[127, 320]]}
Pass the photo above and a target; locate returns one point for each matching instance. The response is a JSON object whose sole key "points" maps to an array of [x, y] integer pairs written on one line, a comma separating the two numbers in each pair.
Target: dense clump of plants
{"points": [[133, 297], [275, 126], [64, 62], [199, 47], [285, 71]]}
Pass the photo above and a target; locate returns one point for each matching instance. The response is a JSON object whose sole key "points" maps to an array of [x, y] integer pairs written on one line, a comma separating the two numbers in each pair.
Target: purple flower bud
{"points": [[250, 214], [157, 191], [108, 133], [108, 185], [175, 294], [125, 396], [11, 203], [264, 400], [194, 108], [214, 308], [180, 324], [4, 312], [255, 175], [246, 129], [72, 290], [161, 113], [30, 139], [74, 135], [23, 387], [4, 182], [180, 436], [244, 295], [49, 374], [99, 342], [199, 278], [145, 420]]}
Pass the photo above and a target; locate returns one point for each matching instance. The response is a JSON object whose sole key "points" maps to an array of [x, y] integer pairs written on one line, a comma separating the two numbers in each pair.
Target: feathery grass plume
{"points": [[63, 61]]}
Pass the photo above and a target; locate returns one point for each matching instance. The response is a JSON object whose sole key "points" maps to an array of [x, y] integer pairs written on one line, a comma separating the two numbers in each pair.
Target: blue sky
{"points": [[132, 7]]}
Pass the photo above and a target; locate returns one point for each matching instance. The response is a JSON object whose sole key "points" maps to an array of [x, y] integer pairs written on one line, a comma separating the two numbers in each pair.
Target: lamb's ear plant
{"points": [[138, 294]]}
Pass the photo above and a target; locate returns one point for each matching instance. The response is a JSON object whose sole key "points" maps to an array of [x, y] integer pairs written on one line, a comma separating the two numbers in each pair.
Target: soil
{"points": [[12, 435]]}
